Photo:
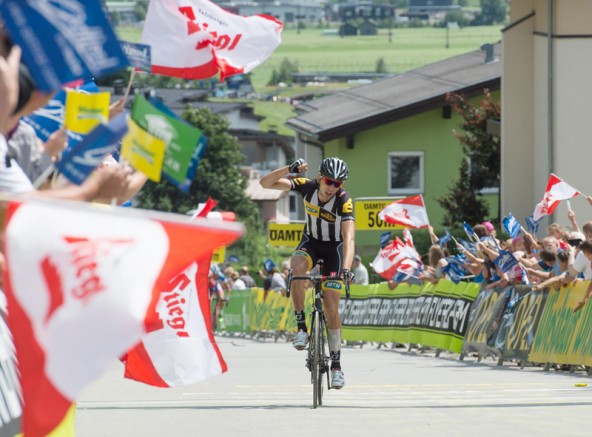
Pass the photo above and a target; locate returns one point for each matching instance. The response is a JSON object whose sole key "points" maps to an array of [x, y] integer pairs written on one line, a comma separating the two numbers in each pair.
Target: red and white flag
{"points": [[410, 212], [557, 190], [83, 287], [196, 39], [388, 259], [180, 347]]}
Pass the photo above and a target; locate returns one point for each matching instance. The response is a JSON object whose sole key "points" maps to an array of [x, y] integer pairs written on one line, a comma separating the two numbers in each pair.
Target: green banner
{"points": [[434, 315], [564, 337], [180, 138], [236, 314]]}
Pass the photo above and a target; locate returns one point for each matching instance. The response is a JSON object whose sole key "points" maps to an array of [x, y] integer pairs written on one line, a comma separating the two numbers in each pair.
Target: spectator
{"points": [[237, 282], [275, 282], [433, 272], [557, 231], [246, 278], [360, 271]]}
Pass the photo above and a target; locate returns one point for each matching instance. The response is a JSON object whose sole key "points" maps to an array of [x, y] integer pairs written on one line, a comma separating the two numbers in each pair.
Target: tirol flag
{"points": [[410, 212], [63, 40], [196, 39], [388, 259], [79, 161], [84, 288], [86, 111], [181, 139], [180, 348], [557, 190], [143, 151], [512, 225]]}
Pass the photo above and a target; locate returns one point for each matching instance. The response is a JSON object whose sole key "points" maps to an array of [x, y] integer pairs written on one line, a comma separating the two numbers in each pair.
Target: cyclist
{"points": [[329, 235]]}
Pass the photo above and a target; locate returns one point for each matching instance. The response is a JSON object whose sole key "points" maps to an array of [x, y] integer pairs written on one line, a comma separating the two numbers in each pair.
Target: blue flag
{"points": [[445, 239], [268, 264], [512, 225], [78, 162], [470, 232], [505, 261], [138, 55], [63, 41], [385, 239], [532, 225], [470, 247], [455, 269]]}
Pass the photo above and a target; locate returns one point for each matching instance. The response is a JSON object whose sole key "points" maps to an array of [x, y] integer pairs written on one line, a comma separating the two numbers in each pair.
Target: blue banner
{"points": [[445, 239], [471, 247], [138, 55], [512, 225], [470, 232], [455, 269], [63, 40], [385, 239], [78, 162], [532, 225]]}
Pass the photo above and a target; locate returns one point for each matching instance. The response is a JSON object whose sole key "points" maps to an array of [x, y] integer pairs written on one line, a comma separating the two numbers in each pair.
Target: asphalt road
{"points": [[389, 392]]}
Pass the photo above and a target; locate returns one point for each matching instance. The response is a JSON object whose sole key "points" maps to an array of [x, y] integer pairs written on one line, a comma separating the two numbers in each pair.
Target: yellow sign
{"points": [[143, 151], [83, 111], [366, 214], [219, 255], [284, 234]]}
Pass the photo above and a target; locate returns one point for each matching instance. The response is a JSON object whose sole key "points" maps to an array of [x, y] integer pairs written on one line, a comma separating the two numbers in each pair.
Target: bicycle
{"points": [[317, 359]]}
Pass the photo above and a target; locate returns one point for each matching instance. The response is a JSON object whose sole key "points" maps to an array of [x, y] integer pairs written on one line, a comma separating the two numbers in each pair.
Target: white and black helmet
{"points": [[334, 168]]}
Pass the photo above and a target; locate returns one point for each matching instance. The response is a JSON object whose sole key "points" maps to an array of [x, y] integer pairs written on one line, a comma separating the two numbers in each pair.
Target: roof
{"points": [[390, 99], [255, 191]]}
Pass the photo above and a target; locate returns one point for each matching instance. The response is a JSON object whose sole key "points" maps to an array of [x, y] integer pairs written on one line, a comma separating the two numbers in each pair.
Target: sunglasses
{"points": [[330, 182], [575, 242]]}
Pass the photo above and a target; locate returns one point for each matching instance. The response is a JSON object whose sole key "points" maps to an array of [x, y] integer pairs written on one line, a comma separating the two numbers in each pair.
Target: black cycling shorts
{"points": [[331, 252]]}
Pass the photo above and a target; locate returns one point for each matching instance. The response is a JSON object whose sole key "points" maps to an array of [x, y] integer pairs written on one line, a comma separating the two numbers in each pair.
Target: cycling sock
{"points": [[300, 320], [335, 360]]}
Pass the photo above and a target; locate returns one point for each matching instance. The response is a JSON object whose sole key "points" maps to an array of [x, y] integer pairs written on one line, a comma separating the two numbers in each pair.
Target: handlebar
{"points": [[315, 279]]}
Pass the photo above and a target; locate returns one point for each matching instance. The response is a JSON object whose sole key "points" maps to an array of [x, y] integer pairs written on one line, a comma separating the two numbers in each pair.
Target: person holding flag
{"points": [[329, 234]]}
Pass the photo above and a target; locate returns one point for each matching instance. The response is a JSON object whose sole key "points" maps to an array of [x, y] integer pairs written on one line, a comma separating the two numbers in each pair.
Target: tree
{"points": [[481, 166], [218, 176], [492, 11]]}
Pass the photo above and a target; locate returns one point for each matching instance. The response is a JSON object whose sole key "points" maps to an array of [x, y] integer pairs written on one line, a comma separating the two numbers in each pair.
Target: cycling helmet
{"points": [[334, 168]]}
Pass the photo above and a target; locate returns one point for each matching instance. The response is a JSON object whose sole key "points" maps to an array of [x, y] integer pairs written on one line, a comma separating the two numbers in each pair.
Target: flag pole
{"points": [[43, 177], [129, 85]]}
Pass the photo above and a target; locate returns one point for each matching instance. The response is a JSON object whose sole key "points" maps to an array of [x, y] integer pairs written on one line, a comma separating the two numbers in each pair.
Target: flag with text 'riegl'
{"points": [[556, 191], [389, 258], [143, 151], [180, 138], [410, 212], [83, 289], [197, 39], [80, 160], [63, 41]]}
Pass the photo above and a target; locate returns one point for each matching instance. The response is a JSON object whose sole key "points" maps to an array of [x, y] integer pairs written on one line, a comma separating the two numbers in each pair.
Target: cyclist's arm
{"points": [[275, 180], [348, 234]]}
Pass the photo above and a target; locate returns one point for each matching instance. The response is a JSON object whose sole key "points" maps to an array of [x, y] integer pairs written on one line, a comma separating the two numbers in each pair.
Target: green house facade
{"points": [[397, 134]]}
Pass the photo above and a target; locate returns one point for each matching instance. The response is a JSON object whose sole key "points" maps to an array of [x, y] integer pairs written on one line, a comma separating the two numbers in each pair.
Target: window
{"points": [[405, 173], [489, 180]]}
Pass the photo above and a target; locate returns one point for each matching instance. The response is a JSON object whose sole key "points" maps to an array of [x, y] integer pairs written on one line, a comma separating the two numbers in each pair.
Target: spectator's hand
{"points": [[298, 166], [589, 199], [580, 305], [571, 215], [112, 181], [56, 142], [116, 108]]}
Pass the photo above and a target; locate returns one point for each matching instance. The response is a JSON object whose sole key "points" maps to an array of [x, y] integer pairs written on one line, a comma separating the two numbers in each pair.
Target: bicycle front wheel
{"points": [[316, 368]]}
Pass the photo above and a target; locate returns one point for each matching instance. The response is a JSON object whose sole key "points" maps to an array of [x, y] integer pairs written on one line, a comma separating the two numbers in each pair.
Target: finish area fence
{"points": [[512, 323]]}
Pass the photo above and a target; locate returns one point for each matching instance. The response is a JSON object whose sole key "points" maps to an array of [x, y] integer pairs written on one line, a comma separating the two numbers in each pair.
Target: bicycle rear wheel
{"points": [[316, 368]]}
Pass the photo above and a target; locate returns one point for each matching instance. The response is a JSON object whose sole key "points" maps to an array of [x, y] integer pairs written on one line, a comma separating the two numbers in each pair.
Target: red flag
{"points": [[82, 287], [557, 190], [410, 212], [388, 259], [196, 39]]}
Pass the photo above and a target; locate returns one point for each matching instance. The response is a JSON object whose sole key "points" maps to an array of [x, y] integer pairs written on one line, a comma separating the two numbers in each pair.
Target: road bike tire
{"points": [[322, 359], [317, 383]]}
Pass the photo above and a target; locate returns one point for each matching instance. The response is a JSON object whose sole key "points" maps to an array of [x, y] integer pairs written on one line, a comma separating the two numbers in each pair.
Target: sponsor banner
{"points": [[366, 214], [520, 322], [235, 314], [484, 320], [219, 255], [432, 315], [562, 336], [284, 234]]}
